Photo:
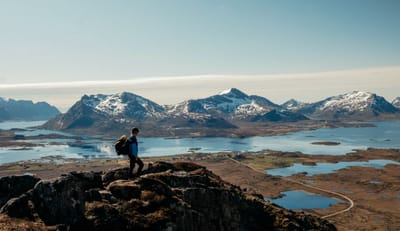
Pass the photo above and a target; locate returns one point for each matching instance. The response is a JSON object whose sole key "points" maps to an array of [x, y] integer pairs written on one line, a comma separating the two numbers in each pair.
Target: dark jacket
{"points": [[133, 146]]}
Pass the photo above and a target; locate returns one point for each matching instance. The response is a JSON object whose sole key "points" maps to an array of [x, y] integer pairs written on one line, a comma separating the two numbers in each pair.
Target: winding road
{"points": [[346, 198]]}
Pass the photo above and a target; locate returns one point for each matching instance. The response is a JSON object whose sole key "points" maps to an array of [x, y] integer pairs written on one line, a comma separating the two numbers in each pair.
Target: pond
{"points": [[297, 199]]}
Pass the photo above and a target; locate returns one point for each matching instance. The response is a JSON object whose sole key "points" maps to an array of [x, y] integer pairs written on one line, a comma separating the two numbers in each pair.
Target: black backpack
{"points": [[122, 146]]}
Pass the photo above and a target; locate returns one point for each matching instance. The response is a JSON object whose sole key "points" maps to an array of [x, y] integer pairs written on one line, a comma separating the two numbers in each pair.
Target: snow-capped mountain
{"points": [[125, 105], [353, 105], [11, 109], [293, 105], [229, 109], [358, 101], [104, 111], [109, 113], [231, 102], [186, 107], [396, 102]]}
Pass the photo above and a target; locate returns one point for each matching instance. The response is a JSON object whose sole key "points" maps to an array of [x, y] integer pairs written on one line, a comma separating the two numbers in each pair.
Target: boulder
{"points": [[14, 186], [63, 201], [19, 207], [115, 174]]}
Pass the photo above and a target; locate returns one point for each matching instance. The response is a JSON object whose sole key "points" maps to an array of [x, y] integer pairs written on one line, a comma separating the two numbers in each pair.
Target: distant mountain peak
{"points": [[123, 104], [231, 102], [359, 94], [351, 101], [11, 109], [293, 104], [234, 93]]}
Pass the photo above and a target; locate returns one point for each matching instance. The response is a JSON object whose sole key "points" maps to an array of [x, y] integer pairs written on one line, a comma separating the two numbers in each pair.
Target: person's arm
{"points": [[134, 147]]}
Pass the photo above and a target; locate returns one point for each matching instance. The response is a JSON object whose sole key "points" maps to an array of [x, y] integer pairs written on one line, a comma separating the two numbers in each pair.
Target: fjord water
{"points": [[384, 134], [325, 168]]}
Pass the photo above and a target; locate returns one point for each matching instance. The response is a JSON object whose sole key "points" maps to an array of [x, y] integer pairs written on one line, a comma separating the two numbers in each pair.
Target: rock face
{"points": [[179, 196], [14, 186], [281, 116], [63, 200]]}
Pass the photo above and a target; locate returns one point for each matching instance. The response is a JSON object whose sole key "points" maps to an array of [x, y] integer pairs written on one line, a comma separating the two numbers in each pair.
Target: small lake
{"points": [[302, 200], [384, 135], [325, 168]]}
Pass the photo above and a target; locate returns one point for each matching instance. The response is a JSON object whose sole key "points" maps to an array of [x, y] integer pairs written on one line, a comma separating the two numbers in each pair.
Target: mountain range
{"points": [[11, 109], [356, 105], [230, 109]]}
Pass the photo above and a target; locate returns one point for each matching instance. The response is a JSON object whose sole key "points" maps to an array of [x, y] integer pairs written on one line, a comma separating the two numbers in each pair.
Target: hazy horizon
{"points": [[305, 87]]}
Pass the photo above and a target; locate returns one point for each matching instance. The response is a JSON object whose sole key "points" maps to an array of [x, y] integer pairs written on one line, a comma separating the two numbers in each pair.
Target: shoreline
{"points": [[259, 160], [13, 141], [246, 130]]}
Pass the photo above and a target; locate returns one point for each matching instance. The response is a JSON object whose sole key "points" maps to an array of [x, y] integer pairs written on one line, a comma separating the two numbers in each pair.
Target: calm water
{"points": [[325, 168], [302, 200], [384, 135], [19, 124]]}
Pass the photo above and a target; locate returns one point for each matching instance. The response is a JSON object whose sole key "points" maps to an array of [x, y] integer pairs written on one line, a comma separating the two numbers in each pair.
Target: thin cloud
{"points": [[307, 87], [367, 72], [77, 84]]}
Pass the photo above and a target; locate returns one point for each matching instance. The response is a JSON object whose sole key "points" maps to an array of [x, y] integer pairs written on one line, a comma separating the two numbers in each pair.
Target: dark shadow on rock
{"points": [[14, 186]]}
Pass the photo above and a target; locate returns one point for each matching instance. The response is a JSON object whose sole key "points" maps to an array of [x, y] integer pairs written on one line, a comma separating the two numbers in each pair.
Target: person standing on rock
{"points": [[133, 153]]}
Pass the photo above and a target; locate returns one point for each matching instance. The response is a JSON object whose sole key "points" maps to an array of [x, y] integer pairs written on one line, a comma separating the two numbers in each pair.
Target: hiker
{"points": [[133, 153]]}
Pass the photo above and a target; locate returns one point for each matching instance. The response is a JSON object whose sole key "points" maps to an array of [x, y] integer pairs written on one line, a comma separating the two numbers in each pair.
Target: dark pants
{"points": [[134, 160]]}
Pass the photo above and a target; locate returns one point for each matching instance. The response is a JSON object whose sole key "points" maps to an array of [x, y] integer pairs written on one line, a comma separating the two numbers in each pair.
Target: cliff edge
{"points": [[179, 196]]}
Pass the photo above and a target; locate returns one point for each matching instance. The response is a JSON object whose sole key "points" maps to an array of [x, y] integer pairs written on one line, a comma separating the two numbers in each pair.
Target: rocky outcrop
{"points": [[179, 196], [14, 186], [63, 201]]}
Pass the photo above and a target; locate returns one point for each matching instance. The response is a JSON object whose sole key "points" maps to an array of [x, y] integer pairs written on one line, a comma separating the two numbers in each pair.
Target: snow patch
{"points": [[396, 102], [112, 105], [250, 109], [227, 91]]}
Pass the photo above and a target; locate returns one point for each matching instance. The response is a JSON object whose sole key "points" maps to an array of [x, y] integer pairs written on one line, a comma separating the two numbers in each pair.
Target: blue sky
{"points": [[71, 40]]}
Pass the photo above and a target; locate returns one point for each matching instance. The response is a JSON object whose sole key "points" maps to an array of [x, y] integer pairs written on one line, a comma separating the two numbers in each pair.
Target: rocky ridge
{"points": [[179, 196]]}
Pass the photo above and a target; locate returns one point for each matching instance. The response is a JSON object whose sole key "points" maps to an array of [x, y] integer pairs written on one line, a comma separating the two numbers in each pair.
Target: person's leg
{"points": [[140, 163], [131, 165]]}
